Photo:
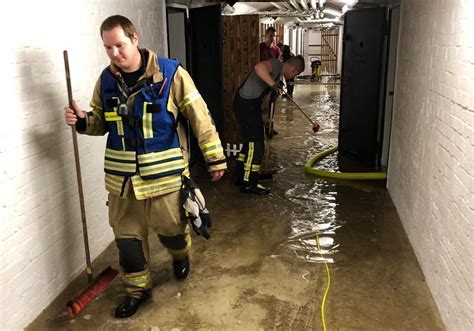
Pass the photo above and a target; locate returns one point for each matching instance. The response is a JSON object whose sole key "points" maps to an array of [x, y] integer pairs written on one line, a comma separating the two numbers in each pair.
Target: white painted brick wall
{"points": [[40, 225], [431, 168]]}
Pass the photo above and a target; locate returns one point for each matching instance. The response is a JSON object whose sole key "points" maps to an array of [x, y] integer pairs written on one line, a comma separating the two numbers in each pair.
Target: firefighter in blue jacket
{"points": [[138, 100]]}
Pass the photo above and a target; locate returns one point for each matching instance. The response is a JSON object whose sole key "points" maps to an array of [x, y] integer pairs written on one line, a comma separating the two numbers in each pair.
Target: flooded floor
{"points": [[316, 252]]}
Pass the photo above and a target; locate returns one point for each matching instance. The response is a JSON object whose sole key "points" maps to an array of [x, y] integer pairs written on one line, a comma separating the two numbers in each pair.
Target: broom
{"points": [[98, 284], [316, 125]]}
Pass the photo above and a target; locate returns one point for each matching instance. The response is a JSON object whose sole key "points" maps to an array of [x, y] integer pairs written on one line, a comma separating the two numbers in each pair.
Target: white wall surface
{"points": [[431, 166], [40, 225]]}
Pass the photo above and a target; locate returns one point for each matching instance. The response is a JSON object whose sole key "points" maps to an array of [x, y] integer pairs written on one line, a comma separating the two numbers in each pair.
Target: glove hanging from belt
{"points": [[195, 207]]}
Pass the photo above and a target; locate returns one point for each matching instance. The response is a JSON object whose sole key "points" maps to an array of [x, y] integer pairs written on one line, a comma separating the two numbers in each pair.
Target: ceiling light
{"points": [[350, 2]]}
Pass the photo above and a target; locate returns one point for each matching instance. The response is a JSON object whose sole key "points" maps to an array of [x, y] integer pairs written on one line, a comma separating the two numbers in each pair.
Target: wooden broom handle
{"points": [[78, 172]]}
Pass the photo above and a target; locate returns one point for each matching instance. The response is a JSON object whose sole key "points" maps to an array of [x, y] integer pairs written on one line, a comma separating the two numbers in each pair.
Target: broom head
{"points": [[95, 287]]}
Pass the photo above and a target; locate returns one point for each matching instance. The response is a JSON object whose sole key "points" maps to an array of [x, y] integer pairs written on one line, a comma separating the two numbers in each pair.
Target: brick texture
{"points": [[41, 241], [431, 166]]}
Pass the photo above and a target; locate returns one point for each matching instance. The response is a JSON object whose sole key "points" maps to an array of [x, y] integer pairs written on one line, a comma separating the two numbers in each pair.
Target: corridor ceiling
{"points": [[304, 13]]}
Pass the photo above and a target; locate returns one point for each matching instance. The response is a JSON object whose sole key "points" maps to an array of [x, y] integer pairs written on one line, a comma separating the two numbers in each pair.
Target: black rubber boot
{"points": [[129, 305], [181, 268], [252, 186], [254, 189]]}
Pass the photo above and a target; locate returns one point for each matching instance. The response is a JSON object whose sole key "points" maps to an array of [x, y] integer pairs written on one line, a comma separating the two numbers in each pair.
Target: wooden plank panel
{"points": [[241, 52], [329, 50]]}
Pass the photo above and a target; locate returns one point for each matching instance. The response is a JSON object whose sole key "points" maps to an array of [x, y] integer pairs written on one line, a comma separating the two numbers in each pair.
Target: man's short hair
{"points": [[118, 20], [270, 29], [297, 62]]}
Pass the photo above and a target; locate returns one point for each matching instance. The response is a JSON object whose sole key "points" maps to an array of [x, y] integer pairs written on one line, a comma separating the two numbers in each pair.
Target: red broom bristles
{"points": [[96, 286]]}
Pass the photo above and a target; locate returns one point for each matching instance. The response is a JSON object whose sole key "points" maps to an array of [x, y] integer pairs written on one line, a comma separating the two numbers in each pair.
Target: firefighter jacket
{"points": [[147, 147]]}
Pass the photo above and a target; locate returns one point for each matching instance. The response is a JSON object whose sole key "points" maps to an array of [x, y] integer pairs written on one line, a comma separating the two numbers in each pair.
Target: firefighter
{"points": [[139, 100], [264, 79]]}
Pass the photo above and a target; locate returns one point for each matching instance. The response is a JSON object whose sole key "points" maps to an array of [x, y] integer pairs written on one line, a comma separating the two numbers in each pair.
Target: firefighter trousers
{"points": [[249, 116], [131, 220]]}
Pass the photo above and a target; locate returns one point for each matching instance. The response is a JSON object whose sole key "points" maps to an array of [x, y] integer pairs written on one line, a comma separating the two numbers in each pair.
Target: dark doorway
{"points": [[206, 59]]}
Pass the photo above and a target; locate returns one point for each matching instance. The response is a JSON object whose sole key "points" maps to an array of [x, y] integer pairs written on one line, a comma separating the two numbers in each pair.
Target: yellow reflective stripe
{"points": [[179, 254], [241, 157], [147, 120], [114, 183], [120, 128], [162, 167], [248, 164], [194, 95], [120, 155], [159, 156], [120, 166], [142, 187], [112, 116], [252, 167], [140, 281], [211, 148]]}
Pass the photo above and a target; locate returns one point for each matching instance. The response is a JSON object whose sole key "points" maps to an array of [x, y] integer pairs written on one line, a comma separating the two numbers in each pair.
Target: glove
{"points": [[277, 87], [195, 207], [277, 90]]}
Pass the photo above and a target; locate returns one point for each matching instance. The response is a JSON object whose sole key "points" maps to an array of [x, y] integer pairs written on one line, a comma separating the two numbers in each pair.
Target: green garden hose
{"points": [[341, 175]]}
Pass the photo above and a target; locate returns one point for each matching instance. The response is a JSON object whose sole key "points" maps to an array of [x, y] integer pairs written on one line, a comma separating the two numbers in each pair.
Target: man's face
{"points": [[270, 37], [292, 72], [120, 49]]}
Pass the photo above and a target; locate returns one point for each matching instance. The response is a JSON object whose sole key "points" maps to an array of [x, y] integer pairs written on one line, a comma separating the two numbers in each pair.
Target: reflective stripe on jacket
{"points": [[145, 142], [183, 99]]}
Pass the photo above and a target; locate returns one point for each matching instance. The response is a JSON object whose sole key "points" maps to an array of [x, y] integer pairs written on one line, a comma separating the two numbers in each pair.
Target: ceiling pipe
{"points": [[296, 5], [278, 5], [287, 5], [286, 14], [304, 5]]}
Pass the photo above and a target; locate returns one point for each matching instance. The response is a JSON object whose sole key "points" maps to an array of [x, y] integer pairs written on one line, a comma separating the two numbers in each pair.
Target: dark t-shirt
{"points": [[254, 86], [131, 78], [267, 53]]}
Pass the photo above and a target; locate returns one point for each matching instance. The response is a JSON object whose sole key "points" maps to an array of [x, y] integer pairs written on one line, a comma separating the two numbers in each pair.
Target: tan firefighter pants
{"points": [[131, 220]]}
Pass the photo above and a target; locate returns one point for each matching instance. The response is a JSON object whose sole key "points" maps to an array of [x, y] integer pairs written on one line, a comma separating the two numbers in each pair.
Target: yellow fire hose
{"points": [[340, 175]]}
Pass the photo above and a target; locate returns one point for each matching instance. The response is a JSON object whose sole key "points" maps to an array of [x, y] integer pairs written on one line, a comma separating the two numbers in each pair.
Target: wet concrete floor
{"points": [[268, 263]]}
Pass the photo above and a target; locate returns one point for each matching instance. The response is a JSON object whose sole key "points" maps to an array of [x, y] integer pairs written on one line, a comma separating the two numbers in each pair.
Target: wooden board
{"points": [[241, 54]]}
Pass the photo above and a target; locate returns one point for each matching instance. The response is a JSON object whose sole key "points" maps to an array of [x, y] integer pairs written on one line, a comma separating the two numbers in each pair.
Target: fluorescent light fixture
{"points": [[350, 3]]}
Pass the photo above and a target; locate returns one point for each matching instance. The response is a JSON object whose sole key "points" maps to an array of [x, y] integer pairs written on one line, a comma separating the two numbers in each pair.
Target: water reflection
{"points": [[311, 202]]}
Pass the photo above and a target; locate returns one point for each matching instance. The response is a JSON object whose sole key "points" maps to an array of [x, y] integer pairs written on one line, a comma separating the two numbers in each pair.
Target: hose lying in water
{"points": [[341, 175]]}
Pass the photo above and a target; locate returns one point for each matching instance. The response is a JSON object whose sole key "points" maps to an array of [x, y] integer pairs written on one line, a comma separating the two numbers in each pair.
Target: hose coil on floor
{"points": [[340, 175]]}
